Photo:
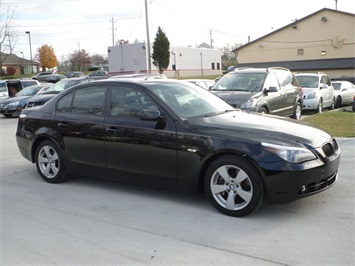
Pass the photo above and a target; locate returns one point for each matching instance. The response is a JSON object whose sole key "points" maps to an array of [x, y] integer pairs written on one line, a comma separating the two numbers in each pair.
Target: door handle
{"points": [[111, 130], [62, 124]]}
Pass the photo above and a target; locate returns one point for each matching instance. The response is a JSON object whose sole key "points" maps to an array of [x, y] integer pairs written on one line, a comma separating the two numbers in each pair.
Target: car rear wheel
{"points": [[298, 112], [49, 162], [234, 186]]}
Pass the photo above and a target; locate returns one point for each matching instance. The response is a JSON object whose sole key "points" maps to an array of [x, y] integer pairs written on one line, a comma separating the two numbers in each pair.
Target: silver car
{"points": [[318, 91], [344, 92]]}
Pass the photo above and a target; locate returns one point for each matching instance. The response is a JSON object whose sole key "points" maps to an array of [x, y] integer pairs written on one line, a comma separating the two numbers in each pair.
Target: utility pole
{"points": [[148, 39], [211, 40], [113, 30], [336, 4]]}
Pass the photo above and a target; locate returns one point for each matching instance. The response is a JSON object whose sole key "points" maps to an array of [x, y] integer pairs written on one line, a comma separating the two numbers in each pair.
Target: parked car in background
{"points": [[74, 74], [318, 91], [344, 78], [99, 74], [265, 90], [13, 106], [42, 76], [344, 92], [140, 132], [9, 88], [203, 83], [54, 90], [141, 76], [54, 78]]}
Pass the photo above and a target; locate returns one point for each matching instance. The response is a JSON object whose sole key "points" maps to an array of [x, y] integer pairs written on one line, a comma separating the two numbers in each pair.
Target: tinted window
{"points": [[64, 104], [128, 102], [88, 100]]}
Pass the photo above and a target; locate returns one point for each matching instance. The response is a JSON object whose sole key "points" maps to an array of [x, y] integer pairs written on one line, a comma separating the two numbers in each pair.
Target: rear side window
{"points": [[89, 100]]}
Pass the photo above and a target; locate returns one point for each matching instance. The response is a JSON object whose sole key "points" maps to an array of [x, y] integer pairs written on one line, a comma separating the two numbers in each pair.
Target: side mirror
{"points": [[149, 115], [271, 89], [323, 86]]}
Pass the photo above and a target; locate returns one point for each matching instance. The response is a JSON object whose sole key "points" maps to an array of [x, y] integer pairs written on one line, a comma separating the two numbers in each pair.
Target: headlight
{"points": [[12, 104], [290, 154], [251, 103], [312, 95]]}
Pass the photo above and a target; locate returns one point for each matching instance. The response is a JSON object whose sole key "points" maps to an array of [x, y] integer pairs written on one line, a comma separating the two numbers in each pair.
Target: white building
{"points": [[184, 61]]}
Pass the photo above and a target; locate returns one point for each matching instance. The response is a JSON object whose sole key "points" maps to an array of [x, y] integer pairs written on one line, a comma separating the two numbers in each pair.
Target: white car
{"points": [[318, 91], [344, 92]]}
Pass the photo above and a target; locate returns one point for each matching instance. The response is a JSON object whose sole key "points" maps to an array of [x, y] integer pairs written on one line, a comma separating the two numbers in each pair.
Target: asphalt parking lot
{"points": [[99, 222]]}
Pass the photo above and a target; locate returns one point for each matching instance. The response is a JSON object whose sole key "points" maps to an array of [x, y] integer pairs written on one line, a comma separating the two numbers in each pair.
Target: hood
{"points": [[42, 97], [235, 97], [260, 127], [15, 99], [307, 91]]}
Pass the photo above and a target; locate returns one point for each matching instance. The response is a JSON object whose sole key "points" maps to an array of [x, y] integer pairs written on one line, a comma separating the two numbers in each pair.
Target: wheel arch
{"points": [[207, 163], [37, 142]]}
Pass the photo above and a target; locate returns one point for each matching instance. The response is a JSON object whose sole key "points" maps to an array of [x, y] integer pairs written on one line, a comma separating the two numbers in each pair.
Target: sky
{"points": [[70, 25]]}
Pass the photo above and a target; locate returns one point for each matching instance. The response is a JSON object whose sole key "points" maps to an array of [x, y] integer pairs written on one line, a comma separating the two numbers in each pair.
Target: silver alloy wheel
{"points": [[48, 161], [298, 112], [231, 187], [320, 106]]}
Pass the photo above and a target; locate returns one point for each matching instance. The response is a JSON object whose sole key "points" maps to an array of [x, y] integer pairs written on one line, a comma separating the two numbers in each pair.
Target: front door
{"points": [[136, 146]]}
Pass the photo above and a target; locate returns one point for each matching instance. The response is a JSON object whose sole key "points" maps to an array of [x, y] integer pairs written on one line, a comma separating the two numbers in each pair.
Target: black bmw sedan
{"points": [[172, 134]]}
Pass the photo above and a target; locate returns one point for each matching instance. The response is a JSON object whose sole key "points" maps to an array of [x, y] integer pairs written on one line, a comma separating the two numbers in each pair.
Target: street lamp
{"points": [[29, 38]]}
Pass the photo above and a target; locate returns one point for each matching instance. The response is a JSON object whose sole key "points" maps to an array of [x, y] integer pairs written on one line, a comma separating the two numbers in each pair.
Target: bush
{"points": [[10, 70], [93, 68]]}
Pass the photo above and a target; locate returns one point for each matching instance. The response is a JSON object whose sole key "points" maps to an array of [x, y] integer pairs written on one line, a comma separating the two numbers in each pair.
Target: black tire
{"points": [[49, 162], [298, 111], [234, 186], [338, 102], [320, 107], [263, 110]]}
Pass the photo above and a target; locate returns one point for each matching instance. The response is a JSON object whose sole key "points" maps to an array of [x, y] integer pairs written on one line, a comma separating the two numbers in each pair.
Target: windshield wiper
{"points": [[219, 113]]}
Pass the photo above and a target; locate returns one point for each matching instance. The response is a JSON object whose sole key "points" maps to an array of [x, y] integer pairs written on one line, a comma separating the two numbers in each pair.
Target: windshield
{"points": [[61, 86], [308, 81], [29, 91], [2, 87], [188, 100], [241, 82]]}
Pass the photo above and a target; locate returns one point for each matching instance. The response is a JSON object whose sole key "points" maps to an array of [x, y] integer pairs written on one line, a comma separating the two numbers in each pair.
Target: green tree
{"points": [[46, 56], [228, 57], [161, 53]]}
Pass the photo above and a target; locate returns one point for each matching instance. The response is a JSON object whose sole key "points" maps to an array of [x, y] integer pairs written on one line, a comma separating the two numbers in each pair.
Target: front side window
{"points": [[129, 102]]}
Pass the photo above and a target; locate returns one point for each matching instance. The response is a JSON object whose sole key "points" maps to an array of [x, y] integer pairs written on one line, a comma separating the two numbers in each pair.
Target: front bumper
{"points": [[314, 177], [310, 104]]}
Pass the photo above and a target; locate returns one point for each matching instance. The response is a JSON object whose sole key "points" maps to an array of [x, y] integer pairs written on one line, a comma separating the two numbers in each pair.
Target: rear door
{"points": [[80, 119]]}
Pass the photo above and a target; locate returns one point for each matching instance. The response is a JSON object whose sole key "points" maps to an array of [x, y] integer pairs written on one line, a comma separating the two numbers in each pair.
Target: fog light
{"points": [[303, 189]]}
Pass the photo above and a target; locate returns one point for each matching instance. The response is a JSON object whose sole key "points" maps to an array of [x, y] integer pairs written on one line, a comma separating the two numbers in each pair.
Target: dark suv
{"points": [[266, 90]]}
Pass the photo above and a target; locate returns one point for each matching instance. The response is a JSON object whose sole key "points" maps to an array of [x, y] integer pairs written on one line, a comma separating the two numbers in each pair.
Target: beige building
{"points": [[322, 41]]}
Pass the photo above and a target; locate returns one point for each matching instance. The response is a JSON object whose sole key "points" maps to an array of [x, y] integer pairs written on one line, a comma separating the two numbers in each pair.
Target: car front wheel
{"points": [[320, 106], [234, 186], [49, 162], [298, 112]]}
